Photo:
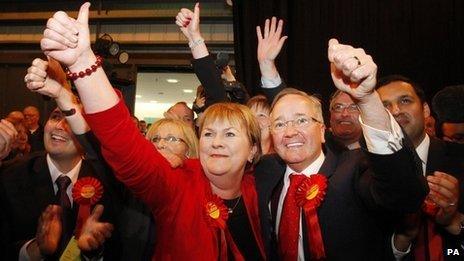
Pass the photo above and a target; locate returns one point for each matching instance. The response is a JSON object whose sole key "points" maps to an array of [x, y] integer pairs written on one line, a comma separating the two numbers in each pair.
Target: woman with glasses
{"points": [[174, 137], [206, 209]]}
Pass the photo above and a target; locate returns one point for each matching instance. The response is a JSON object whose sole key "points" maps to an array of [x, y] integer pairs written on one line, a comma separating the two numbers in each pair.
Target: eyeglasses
{"points": [[300, 122], [338, 107], [168, 139]]}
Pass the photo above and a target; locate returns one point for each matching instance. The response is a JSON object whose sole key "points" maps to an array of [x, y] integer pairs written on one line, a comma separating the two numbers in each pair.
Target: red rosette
{"points": [[309, 196], [216, 213], [86, 192], [311, 192]]}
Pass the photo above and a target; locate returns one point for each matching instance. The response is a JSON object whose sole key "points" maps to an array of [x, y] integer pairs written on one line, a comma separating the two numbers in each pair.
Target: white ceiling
{"points": [[158, 95]]}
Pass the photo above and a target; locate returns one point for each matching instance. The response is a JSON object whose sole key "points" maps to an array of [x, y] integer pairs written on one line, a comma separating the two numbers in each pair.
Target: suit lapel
{"points": [[42, 183], [330, 163]]}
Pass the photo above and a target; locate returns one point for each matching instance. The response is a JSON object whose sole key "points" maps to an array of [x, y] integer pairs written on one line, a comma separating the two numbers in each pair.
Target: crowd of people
{"points": [[251, 178]]}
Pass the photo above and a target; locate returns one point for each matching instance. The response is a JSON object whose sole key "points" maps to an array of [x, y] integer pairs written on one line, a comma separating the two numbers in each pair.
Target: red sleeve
{"points": [[134, 159]]}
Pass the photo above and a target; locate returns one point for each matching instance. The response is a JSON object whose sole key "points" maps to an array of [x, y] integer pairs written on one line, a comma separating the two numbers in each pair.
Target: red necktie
{"points": [[289, 227], [429, 242]]}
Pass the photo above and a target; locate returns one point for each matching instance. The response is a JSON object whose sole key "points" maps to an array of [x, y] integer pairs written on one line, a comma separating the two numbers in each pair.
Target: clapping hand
{"points": [[94, 233], [49, 230]]}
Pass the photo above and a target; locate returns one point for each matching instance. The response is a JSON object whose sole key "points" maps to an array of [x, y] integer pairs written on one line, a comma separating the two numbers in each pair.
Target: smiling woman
{"points": [[187, 202]]}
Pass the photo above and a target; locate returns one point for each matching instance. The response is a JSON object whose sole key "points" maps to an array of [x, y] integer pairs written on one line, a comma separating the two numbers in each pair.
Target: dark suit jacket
{"points": [[448, 157], [26, 189], [362, 201], [36, 139]]}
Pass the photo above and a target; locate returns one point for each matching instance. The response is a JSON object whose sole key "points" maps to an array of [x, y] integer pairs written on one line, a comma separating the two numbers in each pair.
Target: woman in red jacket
{"points": [[204, 210]]}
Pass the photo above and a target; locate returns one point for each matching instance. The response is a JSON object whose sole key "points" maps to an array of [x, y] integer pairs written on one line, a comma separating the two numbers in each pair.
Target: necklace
{"points": [[231, 210]]}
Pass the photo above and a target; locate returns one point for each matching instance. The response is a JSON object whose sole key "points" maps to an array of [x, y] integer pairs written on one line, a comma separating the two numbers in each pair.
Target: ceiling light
{"points": [[172, 80], [138, 96], [153, 101], [188, 90]]}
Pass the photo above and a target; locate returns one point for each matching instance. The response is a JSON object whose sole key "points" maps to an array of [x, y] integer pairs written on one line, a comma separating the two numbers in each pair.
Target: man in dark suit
{"points": [[29, 186], [442, 163], [360, 198]]}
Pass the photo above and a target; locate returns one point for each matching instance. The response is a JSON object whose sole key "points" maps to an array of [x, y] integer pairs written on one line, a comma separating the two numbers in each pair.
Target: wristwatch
{"points": [[68, 113]]}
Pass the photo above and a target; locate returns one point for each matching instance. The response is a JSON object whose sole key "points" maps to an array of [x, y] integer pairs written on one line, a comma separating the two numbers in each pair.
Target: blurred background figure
{"points": [[448, 104], [344, 123], [15, 117], [180, 111], [261, 108], [143, 127], [36, 132], [174, 137]]}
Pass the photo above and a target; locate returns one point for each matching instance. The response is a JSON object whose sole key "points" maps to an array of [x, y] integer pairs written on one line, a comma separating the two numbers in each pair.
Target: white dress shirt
{"points": [[377, 141], [54, 174]]}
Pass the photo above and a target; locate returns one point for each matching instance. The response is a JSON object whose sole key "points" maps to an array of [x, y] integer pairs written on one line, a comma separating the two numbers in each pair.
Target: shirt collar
{"points": [[423, 149], [313, 168], [354, 146], [55, 173]]}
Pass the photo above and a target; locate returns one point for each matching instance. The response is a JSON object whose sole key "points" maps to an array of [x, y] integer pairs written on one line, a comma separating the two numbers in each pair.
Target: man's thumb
{"points": [[97, 212]]}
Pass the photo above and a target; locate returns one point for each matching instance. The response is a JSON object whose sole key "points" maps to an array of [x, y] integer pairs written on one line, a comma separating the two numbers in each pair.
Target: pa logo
{"points": [[452, 252]]}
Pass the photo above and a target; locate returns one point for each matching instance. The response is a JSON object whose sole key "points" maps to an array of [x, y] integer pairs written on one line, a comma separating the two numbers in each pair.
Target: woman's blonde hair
{"points": [[238, 115], [191, 139]]}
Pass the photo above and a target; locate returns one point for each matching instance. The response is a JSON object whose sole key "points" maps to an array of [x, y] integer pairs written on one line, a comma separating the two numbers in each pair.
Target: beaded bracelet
{"points": [[74, 76]]}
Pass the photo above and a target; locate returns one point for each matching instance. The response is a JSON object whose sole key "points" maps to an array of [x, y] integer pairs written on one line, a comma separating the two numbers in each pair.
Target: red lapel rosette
{"points": [[309, 196], [86, 192], [216, 213]]}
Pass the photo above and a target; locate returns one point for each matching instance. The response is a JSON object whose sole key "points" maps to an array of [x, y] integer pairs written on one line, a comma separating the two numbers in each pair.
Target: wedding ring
{"points": [[357, 59], [26, 79], [452, 204]]}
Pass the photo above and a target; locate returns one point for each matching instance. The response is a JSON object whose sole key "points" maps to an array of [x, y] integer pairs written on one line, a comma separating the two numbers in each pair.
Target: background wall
{"points": [[421, 39]]}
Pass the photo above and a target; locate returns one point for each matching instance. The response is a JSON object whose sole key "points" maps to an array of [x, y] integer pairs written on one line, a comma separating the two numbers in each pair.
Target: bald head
{"points": [[31, 117]]}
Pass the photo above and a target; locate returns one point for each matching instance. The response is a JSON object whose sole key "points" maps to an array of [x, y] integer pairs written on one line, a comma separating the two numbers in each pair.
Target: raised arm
{"points": [[354, 72], [67, 40], [48, 78], [269, 47], [203, 63], [134, 159]]}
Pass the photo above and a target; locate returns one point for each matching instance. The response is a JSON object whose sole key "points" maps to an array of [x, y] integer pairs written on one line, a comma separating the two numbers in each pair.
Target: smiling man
{"points": [[354, 198], [442, 166], [344, 123], [30, 185]]}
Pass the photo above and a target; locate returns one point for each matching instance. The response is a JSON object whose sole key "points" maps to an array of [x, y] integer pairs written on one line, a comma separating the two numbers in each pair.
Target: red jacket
{"points": [[177, 197]]}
